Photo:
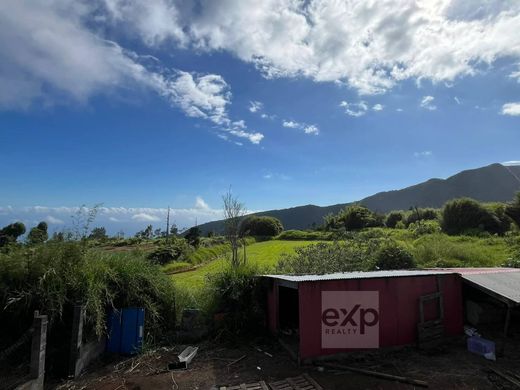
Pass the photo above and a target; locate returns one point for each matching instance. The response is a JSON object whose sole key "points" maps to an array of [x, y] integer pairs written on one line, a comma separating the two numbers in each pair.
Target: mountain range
{"points": [[492, 183]]}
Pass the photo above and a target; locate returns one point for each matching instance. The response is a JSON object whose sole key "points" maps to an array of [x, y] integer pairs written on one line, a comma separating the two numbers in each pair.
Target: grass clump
{"points": [[53, 277], [303, 235]]}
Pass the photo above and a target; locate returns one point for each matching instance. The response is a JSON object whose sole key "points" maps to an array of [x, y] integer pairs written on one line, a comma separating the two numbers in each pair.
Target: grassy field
{"points": [[265, 254]]}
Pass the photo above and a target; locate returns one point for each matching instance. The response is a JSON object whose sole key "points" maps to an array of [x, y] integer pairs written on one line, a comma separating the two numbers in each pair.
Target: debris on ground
{"points": [[304, 381]]}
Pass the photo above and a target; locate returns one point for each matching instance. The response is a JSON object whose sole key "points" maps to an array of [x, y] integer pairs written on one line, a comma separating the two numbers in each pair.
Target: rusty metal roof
{"points": [[359, 275]]}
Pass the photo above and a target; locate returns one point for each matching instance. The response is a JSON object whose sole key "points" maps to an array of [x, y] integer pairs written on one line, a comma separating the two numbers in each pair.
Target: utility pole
{"points": [[168, 226]]}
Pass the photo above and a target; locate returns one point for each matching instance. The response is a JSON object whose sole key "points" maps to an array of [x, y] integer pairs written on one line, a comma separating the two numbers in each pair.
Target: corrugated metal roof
{"points": [[482, 270], [358, 275], [505, 284]]}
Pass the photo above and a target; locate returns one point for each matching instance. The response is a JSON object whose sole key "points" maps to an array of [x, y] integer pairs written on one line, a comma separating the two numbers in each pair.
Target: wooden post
{"points": [[76, 339], [39, 343]]}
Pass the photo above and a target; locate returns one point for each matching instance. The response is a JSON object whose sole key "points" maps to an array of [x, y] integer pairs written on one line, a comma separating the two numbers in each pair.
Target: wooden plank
{"points": [[376, 374]]}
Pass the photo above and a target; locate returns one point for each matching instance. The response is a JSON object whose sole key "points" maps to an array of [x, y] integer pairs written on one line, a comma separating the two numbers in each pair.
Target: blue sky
{"points": [[143, 105]]}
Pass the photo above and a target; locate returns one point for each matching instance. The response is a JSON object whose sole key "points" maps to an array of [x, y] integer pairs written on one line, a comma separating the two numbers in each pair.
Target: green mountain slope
{"points": [[493, 183]]}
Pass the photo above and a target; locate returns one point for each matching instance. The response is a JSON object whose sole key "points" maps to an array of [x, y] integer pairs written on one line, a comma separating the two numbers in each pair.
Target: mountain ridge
{"points": [[491, 183]]}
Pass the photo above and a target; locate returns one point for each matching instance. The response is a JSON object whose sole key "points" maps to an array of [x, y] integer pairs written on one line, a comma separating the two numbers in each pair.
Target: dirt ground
{"points": [[216, 365]]}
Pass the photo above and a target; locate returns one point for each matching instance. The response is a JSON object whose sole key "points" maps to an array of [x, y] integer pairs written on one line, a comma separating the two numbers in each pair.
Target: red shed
{"points": [[334, 313]]}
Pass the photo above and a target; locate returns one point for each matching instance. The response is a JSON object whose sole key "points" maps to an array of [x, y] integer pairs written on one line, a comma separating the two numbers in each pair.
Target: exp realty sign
{"points": [[350, 319]]}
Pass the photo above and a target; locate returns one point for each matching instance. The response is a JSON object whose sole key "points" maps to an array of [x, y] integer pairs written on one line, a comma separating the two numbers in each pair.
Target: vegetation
{"points": [[305, 235], [234, 210], [393, 218], [466, 215], [53, 276], [10, 233], [260, 226], [38, 234]]}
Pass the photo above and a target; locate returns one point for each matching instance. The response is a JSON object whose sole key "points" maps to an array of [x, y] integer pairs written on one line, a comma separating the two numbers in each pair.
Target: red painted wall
{"points": [[398, 308]]}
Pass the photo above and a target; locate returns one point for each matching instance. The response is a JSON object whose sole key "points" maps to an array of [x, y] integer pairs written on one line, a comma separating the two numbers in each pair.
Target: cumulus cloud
{"points": [[369, 46], [512, 109], [378, 107], [427, 103], [354, 109], [307, 129], [52, 54], [201, 204]]}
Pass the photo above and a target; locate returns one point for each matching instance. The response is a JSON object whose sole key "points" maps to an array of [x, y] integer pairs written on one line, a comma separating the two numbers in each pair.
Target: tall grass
{"points": [[54, 276]]}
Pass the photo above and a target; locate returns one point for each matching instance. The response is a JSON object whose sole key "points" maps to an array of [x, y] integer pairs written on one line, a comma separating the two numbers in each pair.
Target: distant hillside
{"points": [[493, 183]]}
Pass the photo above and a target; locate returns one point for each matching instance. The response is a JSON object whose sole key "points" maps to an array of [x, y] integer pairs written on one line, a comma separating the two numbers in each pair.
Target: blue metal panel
{"points": [[114, 331], [132, 330]]}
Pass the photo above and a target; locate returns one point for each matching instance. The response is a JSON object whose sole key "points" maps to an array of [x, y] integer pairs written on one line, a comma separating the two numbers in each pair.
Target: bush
{"points": [[393, 217], [323, 258], [462, 215], [303, 235], [422, 227], [176, 250], [38, 234], [10, 233], [236, 293], [359, 217], [391, 256], [513, 210], [193, 236], [262, 226], [53, 277], [426, 214]]}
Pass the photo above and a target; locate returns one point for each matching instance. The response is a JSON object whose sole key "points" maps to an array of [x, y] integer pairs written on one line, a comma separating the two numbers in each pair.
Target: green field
{"points": [[265, 254]]}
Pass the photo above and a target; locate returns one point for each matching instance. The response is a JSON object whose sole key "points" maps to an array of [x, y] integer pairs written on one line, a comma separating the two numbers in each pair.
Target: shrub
{"points": [[359, 217], [57, 275], [11, 232], [176, 250], [391, 256], [513, 210], [262, 226], [422, 227], [325, 258], [236, 293], [393, 217], [98, 233], [425, 214], [462, 215], [193, 236], [38, 234]]}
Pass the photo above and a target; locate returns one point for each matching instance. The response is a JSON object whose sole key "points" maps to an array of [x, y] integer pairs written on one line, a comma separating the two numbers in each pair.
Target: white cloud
{"points": [[280, 176], [370, 46], [354, 109], [399, 109], [427, 103], [307, 129], [53, 53], [201, 204], [113, 219], [377, 107], [511, 163], [144, 217], [53, 220], [512, 109], [255, 106], [457, 100], [426, 153]]}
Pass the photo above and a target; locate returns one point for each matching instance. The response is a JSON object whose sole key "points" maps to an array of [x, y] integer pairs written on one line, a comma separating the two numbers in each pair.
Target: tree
{"points": [[11, 232], [513, 209], [174, 230], [234, 210], [98, 233], [462, 215], [358, 217], [260, 226], [193, 236], [393, 217], [146, 233], [38, 234]]}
